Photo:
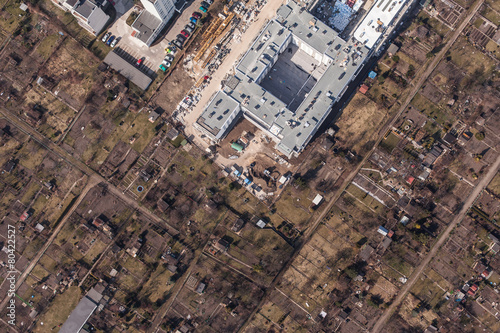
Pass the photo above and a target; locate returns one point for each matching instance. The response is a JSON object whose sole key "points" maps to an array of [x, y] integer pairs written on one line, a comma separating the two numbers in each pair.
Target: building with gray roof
{"points": [[287, 81], [81, 313], [153, 19], [89, 14], [118, 61]]}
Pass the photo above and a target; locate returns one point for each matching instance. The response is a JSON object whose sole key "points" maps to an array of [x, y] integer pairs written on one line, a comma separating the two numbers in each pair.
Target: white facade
{"points": [[162, 9]]}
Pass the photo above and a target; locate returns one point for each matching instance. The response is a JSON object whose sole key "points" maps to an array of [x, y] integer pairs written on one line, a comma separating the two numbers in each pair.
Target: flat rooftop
{"points": [[79, 316], [128, 70], [262, 98], [378, 19], [145, 24], [221, 107]]}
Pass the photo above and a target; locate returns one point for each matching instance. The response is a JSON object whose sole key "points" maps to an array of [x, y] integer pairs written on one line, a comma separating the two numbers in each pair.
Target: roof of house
{"points": [[200, 288], [366, 252], [392, 49], [238, 225], [363, 89], [85, 8], [145, 24], [128, 70]]}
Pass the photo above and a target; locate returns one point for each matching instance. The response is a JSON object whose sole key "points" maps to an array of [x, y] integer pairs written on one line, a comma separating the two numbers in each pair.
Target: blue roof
{"points": [[372, 75], [383, 229], [247, 181]]}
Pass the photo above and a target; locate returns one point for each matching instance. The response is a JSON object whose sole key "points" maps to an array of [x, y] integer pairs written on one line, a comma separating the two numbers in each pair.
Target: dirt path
{"points": [[468, 203], [20, 280], [77, 164], [444, 236]]}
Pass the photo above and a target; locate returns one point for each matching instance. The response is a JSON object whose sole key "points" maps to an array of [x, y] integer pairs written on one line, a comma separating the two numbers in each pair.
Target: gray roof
{"points": [[146, 23], [85, 8], [71, 3], [97, 20], [292, 130], [309, 29], [218, 113], [128, 70], [79, 316]]}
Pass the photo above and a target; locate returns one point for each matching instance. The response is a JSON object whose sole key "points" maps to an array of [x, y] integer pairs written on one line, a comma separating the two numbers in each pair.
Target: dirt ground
{"points": [[359, 123]]}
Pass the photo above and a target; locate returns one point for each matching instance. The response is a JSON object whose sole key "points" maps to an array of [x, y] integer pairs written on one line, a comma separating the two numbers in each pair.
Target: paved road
{"points": [[20, 280]]}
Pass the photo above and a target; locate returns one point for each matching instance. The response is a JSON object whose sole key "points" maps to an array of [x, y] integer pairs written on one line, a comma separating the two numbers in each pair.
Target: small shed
{"points": [[363, 89], [261, 224], [317, 200], [200, 288], [372, 75], [392, 50], [237, 147], [383, 231]]}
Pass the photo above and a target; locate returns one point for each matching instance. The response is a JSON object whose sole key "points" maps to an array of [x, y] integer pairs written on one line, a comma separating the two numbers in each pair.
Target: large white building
{"points": [[153, 19]]}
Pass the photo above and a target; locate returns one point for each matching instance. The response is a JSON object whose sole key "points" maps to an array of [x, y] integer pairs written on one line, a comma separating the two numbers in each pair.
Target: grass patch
{"points": [[474, 62], [390, 142], [490, 14], [431, 110], [359, 123], [30, 193], [59, 309], [494, 185], [47, 45]]}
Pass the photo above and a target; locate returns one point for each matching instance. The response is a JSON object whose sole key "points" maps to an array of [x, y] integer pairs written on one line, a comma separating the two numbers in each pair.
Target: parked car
{"points": [[209, 1], [163, 67], [113, 43], [169, 57], [205, 4], [139, 62], [171, 50], [110, 40], [191, 25], [188, 29], [193, 20], [177, 43], [166, 63], [196, 15], [181, 38], [105, 37], [185, 33], [203, 9]]}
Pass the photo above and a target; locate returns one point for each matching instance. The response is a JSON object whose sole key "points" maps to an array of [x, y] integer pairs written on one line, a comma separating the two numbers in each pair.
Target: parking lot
{"points": [[155, 54]]}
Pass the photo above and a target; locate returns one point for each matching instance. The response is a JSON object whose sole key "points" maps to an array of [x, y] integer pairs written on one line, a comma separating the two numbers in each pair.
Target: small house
{"points": [[221, 245], [238, 225], [383, 231], [153, 116], [363, 89], [327, 144], [200, 288], [317, 200], [261, 224], [392, 49]]}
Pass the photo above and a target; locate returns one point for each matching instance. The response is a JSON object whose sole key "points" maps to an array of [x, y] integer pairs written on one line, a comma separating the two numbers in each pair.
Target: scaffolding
{"points": [[213, 31]]}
